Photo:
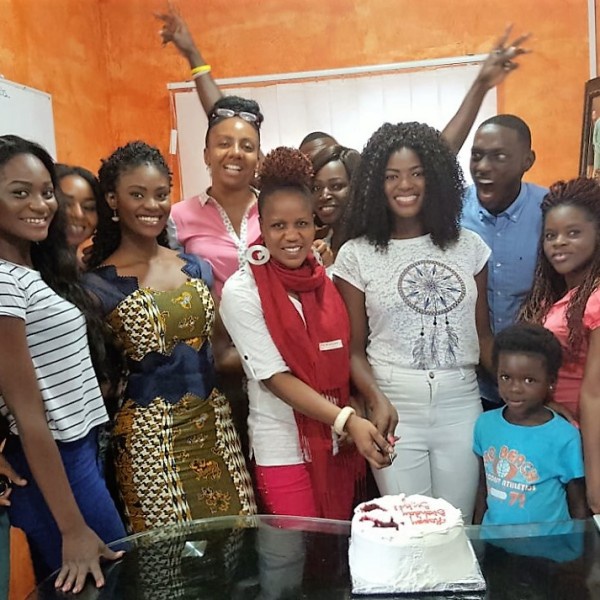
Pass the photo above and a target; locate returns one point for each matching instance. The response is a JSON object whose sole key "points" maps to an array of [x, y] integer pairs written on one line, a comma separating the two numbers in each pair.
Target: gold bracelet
{"points": [[200, 70]]}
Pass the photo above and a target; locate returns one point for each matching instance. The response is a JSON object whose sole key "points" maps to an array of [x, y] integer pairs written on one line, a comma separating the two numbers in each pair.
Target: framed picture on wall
{"points": [[589, 160]]}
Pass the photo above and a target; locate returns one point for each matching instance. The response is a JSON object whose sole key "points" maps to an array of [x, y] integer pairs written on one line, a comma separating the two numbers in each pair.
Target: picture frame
{"points": [[589, 159]]}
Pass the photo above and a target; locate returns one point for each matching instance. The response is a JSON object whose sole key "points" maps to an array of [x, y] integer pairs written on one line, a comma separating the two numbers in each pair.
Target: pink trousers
{"points": [[285, 490]]}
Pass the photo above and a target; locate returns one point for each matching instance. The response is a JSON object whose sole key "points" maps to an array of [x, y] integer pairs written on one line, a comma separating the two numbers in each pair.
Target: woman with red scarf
{"points": [[291, 329]]}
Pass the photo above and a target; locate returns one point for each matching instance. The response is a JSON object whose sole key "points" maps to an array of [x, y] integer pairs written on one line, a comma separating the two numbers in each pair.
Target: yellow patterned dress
{"points": [[177, 454]]}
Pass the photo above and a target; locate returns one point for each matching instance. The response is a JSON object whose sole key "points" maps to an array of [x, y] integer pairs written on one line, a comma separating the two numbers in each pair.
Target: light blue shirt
{"points": [[527, 469], [513, 237]]}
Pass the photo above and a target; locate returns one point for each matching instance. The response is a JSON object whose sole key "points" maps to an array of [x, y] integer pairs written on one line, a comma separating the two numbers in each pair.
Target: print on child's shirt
{"points": [[510, 476]]}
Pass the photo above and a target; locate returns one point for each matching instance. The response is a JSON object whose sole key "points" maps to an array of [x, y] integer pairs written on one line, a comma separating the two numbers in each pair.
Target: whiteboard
{"points": [[27, 112], [348, 108]]}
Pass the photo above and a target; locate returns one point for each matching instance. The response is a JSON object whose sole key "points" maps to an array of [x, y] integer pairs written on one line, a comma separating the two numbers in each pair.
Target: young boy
{"points": [[531, 458]]}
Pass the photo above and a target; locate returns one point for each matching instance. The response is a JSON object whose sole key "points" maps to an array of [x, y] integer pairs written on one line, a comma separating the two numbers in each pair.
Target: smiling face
{"points": [[232, 153], [82, 216], [27, 203], [404, 188], [330, 190], [499, 159], [570, 242], [287, 227], [142, 201], [524, 384]]}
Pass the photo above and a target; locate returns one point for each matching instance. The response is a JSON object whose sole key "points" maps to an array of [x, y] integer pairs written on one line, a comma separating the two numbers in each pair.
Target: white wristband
{"points": [[342, 418]]}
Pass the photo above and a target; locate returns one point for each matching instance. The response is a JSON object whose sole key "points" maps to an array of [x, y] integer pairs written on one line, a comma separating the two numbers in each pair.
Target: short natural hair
{"points": [[511, 122], [531, 339]]}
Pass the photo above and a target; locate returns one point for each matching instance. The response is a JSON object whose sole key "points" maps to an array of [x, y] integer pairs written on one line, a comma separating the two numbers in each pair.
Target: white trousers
{"points": [[437, 411]]}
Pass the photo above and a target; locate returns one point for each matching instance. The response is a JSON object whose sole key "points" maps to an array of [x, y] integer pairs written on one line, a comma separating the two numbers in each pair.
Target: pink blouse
{"points": [[201, 226], [570, 375]]}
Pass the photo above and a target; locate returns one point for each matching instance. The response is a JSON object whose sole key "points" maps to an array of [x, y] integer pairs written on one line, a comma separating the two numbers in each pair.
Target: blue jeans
{"points": [[29, 510]]}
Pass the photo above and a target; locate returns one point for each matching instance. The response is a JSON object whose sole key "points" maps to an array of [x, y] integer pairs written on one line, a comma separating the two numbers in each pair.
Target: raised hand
{"points": [[501, 59], [175, 30]]}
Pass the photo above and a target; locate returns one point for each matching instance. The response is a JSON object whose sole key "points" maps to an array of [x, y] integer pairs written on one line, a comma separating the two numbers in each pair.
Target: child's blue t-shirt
{"points": [[527, 469]]}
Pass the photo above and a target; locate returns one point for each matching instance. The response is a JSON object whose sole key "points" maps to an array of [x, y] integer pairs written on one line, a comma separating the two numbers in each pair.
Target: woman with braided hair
{"points": [[177, 455], [291, 329], [415, 285], [565, 298]]}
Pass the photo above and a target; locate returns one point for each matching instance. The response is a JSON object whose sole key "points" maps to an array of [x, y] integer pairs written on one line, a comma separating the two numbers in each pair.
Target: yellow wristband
{"points": [[201, 69]]}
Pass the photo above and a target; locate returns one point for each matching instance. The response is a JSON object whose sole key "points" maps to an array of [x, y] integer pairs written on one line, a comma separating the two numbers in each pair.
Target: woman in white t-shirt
{"points": [[290, 327], [414, 284], [49, 392]]}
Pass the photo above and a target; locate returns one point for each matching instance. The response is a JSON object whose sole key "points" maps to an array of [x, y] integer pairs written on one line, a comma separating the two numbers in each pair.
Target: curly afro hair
{"points": [[125, 158], [368, 213], [284, 168], [548, 285]]}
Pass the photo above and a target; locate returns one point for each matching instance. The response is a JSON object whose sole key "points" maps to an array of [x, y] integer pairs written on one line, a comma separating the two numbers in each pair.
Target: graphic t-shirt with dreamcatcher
{"points": [[420, 300]]}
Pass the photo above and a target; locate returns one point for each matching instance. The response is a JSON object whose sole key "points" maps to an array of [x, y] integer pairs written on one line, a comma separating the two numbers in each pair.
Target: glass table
{"points": [[284, 558]]}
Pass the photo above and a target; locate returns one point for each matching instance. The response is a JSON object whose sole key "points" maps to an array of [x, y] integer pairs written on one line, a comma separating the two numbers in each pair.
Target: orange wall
{"points": [[241, 37], [103, 64], [57, 46]]}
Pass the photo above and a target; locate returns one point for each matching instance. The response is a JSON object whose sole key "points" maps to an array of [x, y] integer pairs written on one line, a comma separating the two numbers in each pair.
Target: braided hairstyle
{"points": [[125, 158], [284, 169], [368, 213], [548, 285]]}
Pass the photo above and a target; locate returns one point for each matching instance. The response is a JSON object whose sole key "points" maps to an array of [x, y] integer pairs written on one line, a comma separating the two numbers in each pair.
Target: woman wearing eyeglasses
{"points": [[218, 224]]}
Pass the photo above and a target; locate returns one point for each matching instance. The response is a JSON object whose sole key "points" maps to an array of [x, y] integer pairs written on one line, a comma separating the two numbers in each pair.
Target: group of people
{"points": [[358, 296]]}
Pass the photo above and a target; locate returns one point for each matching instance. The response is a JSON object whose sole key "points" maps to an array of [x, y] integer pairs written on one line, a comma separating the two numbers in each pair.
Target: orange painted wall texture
{"points": [[103, 63]]}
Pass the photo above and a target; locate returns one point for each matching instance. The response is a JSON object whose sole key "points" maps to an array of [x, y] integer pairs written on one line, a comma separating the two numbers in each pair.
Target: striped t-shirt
{"points": [[57, 339]]}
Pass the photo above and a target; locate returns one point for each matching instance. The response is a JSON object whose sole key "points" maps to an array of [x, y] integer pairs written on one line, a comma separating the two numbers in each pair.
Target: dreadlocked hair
{"points": [[548, 286], [53, 258], [284, 168], [125, 158], [368, 213]]}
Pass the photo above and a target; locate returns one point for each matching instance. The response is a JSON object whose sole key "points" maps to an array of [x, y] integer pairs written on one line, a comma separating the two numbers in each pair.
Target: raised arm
{"points": [[175, 30], [379, 409], [82, 548], [589, 404], [499, 63]]}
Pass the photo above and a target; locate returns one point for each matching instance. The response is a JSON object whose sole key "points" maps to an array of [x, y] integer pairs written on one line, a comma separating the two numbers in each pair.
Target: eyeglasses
{"points": [[227, 113]]}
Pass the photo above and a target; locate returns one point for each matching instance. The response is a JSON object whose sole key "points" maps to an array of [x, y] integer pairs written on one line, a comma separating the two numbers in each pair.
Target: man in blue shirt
{"points": [[506, 213]]}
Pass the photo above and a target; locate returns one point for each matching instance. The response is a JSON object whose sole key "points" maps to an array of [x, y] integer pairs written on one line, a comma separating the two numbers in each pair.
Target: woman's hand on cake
{"points": [[369, 442]]}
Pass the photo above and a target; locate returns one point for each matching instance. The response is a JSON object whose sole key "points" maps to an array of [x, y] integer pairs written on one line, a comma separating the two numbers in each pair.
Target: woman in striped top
{"points": [[49, 391]]}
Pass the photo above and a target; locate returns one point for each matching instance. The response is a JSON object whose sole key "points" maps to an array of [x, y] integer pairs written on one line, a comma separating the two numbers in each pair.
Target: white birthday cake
{"points": [[411, 544]]}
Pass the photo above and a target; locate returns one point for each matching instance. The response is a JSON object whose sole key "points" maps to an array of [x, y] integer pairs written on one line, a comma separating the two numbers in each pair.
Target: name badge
{"points": [[332, 345]]}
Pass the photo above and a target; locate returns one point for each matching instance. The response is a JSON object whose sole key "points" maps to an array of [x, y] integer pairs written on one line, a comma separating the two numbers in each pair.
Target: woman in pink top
{"points": [[219, 224], [565, 298]]}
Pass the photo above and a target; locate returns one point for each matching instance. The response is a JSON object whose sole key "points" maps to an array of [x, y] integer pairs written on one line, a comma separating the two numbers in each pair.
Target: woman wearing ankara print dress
{"points": [[414, 284], [177, 455]]}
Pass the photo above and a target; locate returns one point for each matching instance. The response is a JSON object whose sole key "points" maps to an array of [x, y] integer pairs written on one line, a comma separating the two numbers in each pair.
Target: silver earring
{"points": [[258, 255], [115, 216]]}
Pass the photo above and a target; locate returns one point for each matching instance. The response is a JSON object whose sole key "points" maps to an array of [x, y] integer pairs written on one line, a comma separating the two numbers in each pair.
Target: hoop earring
{"points": [[115, 216], [258, 255]]}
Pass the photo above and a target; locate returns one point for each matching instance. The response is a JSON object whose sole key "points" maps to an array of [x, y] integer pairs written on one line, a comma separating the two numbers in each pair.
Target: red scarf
{"points": [[318, 354]]}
